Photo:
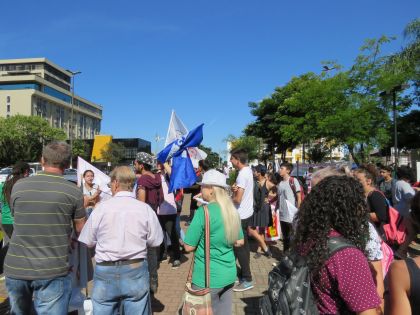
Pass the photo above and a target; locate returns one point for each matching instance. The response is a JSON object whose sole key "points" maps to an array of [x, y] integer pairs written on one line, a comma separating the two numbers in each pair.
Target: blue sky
{"points": [[205, 59]]}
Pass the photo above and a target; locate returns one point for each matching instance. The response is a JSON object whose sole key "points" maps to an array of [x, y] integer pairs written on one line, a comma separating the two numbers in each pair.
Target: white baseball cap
{"points": [[214, 178]]}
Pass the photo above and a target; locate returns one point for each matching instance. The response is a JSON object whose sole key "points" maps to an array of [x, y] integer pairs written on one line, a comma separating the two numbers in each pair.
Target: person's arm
{"points": [[373, 217], [88, 233], [372, 311], [377, 274], [298, 196], [299, 199], [378, 206], [189, 248], [399, 285], [79, 214], [240, 241], [78, 225], [238, 195], [168, 168], [141, 194]]}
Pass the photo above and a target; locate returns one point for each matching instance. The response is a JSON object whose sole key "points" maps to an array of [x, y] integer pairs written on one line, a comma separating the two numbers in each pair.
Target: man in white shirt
{"points": [[243, 198], [288, 189], [122, 228]]}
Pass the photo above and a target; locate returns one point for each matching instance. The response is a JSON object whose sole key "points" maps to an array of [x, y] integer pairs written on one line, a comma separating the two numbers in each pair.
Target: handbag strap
{"points": [[207, 250]]}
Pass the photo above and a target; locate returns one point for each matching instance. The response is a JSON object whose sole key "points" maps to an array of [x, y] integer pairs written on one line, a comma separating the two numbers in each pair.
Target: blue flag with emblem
{"points": [[183, 174]]}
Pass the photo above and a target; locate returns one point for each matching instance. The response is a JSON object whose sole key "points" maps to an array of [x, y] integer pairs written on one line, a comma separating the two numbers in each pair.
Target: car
{"points": [[35, 167], [70, 174], [4, 172]]}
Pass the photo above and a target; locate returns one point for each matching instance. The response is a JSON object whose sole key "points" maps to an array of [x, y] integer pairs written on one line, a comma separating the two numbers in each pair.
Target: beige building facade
{"points": [[38, 87]]}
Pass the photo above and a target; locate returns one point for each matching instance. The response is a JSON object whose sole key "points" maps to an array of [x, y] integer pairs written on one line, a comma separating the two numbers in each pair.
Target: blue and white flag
{"points": [[177, 130], [183, 174]]}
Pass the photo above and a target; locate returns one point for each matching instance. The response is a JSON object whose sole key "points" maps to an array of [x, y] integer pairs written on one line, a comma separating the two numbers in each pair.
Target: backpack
{"points": [[395, 230], [289, 284], [293, 186]]}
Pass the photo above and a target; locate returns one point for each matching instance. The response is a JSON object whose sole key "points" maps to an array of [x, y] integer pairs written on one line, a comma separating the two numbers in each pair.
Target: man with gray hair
{"points": [[122, 228], [45, 207]]}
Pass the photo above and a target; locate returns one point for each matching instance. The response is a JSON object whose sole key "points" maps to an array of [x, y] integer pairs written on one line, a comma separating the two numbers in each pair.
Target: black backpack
{"points": [[289, 284]]}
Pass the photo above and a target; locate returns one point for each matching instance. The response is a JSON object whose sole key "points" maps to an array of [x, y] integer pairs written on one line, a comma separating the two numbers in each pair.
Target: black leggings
{"points": [[167, 222]]}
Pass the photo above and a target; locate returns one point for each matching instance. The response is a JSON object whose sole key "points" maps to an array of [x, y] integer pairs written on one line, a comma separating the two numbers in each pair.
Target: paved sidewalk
{"points": [[172, 282]]}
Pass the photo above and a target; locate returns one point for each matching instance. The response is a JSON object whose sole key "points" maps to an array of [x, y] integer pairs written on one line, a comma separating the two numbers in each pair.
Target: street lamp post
{"points": [[393, 92], [73, 74]]}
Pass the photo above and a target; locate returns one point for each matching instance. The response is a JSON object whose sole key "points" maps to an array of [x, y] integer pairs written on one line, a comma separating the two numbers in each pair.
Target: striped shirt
{"points": [[44, 206]]}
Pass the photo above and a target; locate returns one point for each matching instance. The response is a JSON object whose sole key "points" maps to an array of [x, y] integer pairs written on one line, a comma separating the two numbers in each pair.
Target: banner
{"points": [[101, 179]]}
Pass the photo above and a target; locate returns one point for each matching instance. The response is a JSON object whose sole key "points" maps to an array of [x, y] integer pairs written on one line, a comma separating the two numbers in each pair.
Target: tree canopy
{"points": [[22, 138], [213, 158], [113, 153], [343, 107]]}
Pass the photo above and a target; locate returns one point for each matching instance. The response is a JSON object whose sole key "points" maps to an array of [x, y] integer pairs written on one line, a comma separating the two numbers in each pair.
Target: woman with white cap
{"points": [[225, 232]]}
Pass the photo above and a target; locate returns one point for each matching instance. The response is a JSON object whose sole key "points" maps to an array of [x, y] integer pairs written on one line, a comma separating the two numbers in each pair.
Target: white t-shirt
{"points": [[245, 180]]}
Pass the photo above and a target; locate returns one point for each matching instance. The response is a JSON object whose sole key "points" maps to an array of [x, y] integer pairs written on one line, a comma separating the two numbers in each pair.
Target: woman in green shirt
{"points": [[225, 232], [20, 170]]}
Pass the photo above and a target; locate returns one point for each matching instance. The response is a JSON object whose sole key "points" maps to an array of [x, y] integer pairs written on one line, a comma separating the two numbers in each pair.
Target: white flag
{"points": [[176, 130], [101, 179], [196, 155]]}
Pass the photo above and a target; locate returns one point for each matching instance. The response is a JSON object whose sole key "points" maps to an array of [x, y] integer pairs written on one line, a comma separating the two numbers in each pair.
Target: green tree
{"points": [[213, 158], [22, 138], [408, 133], [317, 153], [81, 148], [113, 153], [407, 61], [253, 145], [341, 109]]}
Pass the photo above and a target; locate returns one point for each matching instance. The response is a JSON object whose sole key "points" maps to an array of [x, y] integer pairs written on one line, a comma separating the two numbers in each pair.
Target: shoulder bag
{"points": [[198, 302]]}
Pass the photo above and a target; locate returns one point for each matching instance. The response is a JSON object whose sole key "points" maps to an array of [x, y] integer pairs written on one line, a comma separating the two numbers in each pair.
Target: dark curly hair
{"points": [[336, 203]]}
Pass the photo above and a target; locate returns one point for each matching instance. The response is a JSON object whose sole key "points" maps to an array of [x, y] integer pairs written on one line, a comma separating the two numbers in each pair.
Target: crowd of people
{"points": [[48, 219]]}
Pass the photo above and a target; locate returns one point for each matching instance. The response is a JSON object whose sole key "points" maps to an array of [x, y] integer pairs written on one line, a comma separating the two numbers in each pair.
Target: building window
{"points": [[20, 86], [8, 99], [8, 108]]}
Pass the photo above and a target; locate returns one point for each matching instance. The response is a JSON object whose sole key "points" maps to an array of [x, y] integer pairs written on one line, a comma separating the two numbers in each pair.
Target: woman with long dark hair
{"points": [[19, 170], [343, 282]]}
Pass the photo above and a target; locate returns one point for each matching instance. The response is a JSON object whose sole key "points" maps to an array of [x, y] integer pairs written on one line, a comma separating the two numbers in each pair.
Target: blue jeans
{"points": [[51, 296], [125, 284]]}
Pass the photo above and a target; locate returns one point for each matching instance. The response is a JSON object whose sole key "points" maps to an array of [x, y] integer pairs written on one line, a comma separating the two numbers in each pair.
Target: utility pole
{"points": [[73, 74]]}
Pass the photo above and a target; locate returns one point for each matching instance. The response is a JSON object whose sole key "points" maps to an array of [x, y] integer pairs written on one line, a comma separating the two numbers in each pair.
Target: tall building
{"points": [[38, 87]]}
